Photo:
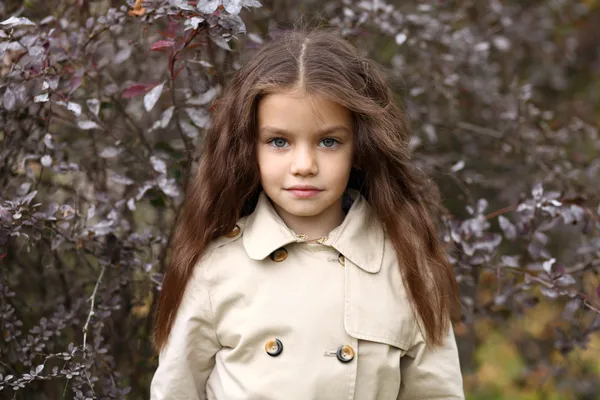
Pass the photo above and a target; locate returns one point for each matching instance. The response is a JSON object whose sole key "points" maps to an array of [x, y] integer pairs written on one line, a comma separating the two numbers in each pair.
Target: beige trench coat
{"points": [[269, 316]]}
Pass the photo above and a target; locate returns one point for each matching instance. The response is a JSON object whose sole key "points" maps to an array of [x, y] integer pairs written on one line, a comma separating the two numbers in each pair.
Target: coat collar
{"points": [[360, 237]]}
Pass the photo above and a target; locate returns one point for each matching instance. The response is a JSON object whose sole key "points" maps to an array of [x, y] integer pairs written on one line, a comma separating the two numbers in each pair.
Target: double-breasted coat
{"points": [[268, 315]]}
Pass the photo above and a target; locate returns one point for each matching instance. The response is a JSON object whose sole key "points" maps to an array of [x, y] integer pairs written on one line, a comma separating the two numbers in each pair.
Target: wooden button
{"points": [[234, 232], [342, 259], [274, 347], [279, 255]]}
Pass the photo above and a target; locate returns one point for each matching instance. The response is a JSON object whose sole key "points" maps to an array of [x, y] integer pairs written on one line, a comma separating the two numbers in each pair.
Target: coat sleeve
{"points": [[188, 358], [429, 374]]}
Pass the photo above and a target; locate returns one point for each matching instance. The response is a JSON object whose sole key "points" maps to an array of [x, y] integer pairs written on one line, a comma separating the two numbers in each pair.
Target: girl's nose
{"points": [[304, 162]]}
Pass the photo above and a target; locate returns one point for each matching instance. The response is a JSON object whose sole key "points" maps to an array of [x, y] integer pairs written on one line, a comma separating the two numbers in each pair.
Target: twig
{"points": [[92, 298], [501, 211], [188, 146], [480, 129]]}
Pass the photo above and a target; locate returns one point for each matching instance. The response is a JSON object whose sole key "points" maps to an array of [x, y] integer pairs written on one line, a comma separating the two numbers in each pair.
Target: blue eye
{"points": [[278, 142], [329, 142]]}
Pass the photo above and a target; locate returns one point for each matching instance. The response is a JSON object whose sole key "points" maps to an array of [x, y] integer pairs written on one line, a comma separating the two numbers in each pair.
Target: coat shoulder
{"points": [[222, 241]]}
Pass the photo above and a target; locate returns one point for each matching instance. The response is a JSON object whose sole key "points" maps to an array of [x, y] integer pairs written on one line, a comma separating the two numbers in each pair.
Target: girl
{"points": [[305, 264]]}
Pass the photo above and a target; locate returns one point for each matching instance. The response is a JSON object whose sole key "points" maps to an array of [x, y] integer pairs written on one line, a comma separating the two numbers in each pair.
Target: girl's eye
{"points": [[329, 142], [278, 142]]}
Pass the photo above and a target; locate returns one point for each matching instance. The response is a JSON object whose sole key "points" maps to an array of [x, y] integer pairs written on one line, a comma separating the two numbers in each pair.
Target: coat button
{"points": [[274, 347], [234, 232], [279, 255], [342, 260], [345, 353]]}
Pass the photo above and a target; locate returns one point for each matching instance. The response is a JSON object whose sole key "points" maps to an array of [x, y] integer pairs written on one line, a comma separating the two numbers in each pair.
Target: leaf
{"points": [[401, 38], [51, 82], [110, 152], [252, 3], [166, 117], [203, 98], [41, 98], [73, 107], [143, 190], [46, 161], [14, 21], [152, 96], [93, 105], [158, 165], [48, 141], [136, 90], [482, 47], [27, 199], [199, 116], [121, 180], [208, 6], [501, 43], [76, 80], [547, 265], [182, 4], [123, 55], [510, 261], [91, 211], [458, 166], [9, 101], [509, 229], [189, 130], [35, 51], [162, 44], [571, 308], [131, 204], [255, 38], [193, 23], [566, 280], [87, 125], [482, 205], [233, 6], [430, 131], [168, 186], [220, 41], [537, 191]]}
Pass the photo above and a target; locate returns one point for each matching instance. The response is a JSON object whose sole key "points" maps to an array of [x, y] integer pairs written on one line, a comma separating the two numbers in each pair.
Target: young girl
{"points": [[304, 263]]}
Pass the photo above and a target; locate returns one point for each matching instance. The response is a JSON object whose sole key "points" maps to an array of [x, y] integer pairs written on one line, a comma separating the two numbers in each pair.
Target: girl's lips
{"points": [[304, 193]]}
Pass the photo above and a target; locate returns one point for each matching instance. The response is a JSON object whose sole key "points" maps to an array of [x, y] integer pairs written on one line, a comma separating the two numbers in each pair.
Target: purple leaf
{"points": [[162, 44], [10, 99], [138, 89]]}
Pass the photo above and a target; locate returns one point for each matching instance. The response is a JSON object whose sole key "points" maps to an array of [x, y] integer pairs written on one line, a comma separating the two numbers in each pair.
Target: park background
{"points": [[103, 109]]}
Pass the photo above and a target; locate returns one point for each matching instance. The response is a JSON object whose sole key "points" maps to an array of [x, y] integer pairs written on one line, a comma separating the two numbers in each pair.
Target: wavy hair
{"points": [[227, 182]]}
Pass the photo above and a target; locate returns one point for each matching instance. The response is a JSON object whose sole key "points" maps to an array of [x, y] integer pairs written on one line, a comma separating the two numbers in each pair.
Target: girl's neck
{"points": [[317, 226]]}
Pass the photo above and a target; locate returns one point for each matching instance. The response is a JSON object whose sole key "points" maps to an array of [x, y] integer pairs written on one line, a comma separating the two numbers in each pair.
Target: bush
{"points": [[103, 112]]}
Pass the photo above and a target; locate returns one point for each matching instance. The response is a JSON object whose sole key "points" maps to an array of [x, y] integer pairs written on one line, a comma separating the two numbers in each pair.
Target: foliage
{"points": [[103, 112]]}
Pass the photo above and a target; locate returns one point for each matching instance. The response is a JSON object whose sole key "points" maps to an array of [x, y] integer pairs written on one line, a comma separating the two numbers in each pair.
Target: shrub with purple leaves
{"points": [[103, 107]]}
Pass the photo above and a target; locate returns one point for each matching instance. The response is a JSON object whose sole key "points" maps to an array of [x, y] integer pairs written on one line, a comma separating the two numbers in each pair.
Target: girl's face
{"points": [[304, 141]]}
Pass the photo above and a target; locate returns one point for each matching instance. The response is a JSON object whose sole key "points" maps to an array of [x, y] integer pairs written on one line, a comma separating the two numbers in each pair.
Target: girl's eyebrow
{"points": [[278, 131]]}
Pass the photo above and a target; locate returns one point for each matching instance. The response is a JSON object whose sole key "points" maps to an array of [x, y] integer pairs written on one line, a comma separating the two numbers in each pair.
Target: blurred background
{"points": [[103, 107]]}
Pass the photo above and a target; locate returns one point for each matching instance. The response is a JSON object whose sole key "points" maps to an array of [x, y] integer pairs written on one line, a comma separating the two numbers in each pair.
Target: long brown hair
{"points": [[227, 181]]}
